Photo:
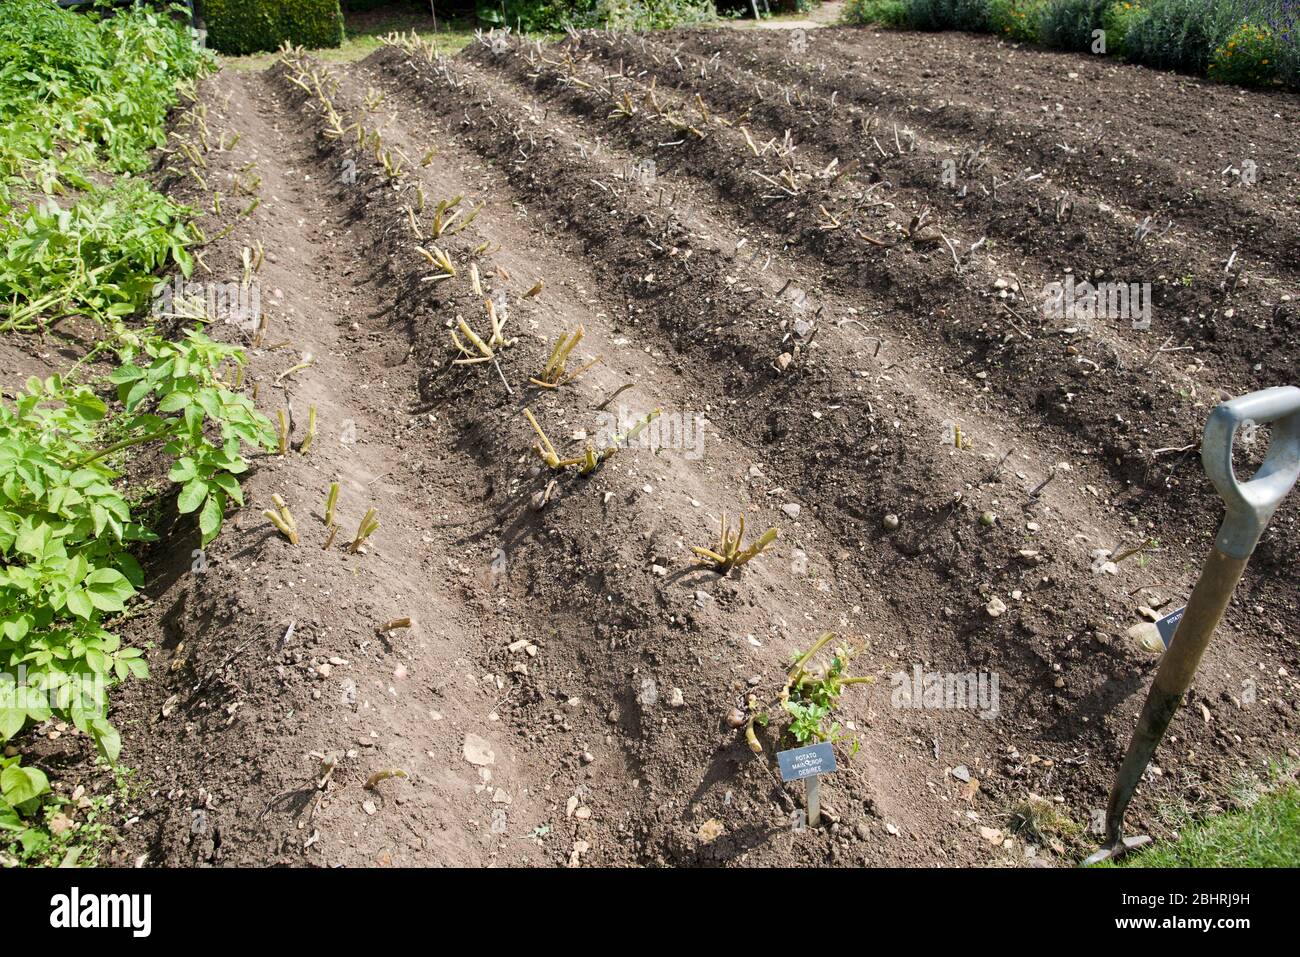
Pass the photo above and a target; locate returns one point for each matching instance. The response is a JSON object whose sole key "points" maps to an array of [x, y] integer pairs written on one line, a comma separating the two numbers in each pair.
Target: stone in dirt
{"points": [[579, 848], [1147, 636], [477, 751], [648, 694], [710, 830]]}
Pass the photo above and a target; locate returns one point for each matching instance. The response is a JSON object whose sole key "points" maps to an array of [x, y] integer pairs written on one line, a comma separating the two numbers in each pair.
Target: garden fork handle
{"points": [[1250, 506]]}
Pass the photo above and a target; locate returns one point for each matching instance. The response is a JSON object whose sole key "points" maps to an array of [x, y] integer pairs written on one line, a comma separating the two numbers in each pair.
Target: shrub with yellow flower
{"points": [[1248, 56]]}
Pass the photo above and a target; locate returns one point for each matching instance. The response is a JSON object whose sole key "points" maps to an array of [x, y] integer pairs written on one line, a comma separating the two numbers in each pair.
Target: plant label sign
{"points": [[1169, 624], [806, 762]]}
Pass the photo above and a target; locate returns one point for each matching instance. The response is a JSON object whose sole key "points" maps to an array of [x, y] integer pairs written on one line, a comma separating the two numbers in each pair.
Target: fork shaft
{"points": [[1205, 610]]}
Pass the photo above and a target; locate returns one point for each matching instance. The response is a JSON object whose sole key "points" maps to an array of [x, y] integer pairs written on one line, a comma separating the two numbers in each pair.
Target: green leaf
{"points": [[108, 589], [130, 568], [79, 603], [174, 402], [11, 722], [21, 785], [97, 661], [230, 485], [183, 470], [192, 496], [106, 738], [125, 373], [87, 405], [136, 393], [210, 517]]}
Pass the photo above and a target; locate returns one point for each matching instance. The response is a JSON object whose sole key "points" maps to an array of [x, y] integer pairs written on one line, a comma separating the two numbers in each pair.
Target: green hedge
{"points": [[889, 13], [249, 26], [1069, 24], [972, 15]]}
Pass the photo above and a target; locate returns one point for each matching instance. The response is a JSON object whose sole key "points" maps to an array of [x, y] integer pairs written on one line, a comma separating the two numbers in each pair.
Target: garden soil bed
{"points": [[562, 692]]}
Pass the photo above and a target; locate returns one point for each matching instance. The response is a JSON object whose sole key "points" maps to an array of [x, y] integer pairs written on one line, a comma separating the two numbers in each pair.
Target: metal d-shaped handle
{"points": [[1251, 504]]}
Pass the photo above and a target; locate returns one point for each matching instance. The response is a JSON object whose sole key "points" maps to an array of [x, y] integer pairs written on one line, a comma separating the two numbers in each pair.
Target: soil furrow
{"points": [[1036, 135], [588, 583], [1087, 409], [1006, 358], [1084, 242], [274, 655]]}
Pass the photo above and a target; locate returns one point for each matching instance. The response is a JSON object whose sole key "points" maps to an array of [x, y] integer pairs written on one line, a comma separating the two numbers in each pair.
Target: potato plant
{"points": [[729, 550], [174, 397], [79, 91], [809, 697], [66, 523], [811, 694], [98, 258]]}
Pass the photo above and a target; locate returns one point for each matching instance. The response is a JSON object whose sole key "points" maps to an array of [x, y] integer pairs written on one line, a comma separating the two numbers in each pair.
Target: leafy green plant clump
{"points": [[1069, 24], [1117, 20], [545, 15], [1285, 24], [654, 14], [811, 694], [809, 697], [43, 828], [1248, 56], [972, 15], [249, 26], [85, 100], [174, 395], [76, 90], [79, 95], [21, 793], [66, 526], [1018, 20], [99, 258], [889, 13], [1183, 34]]}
